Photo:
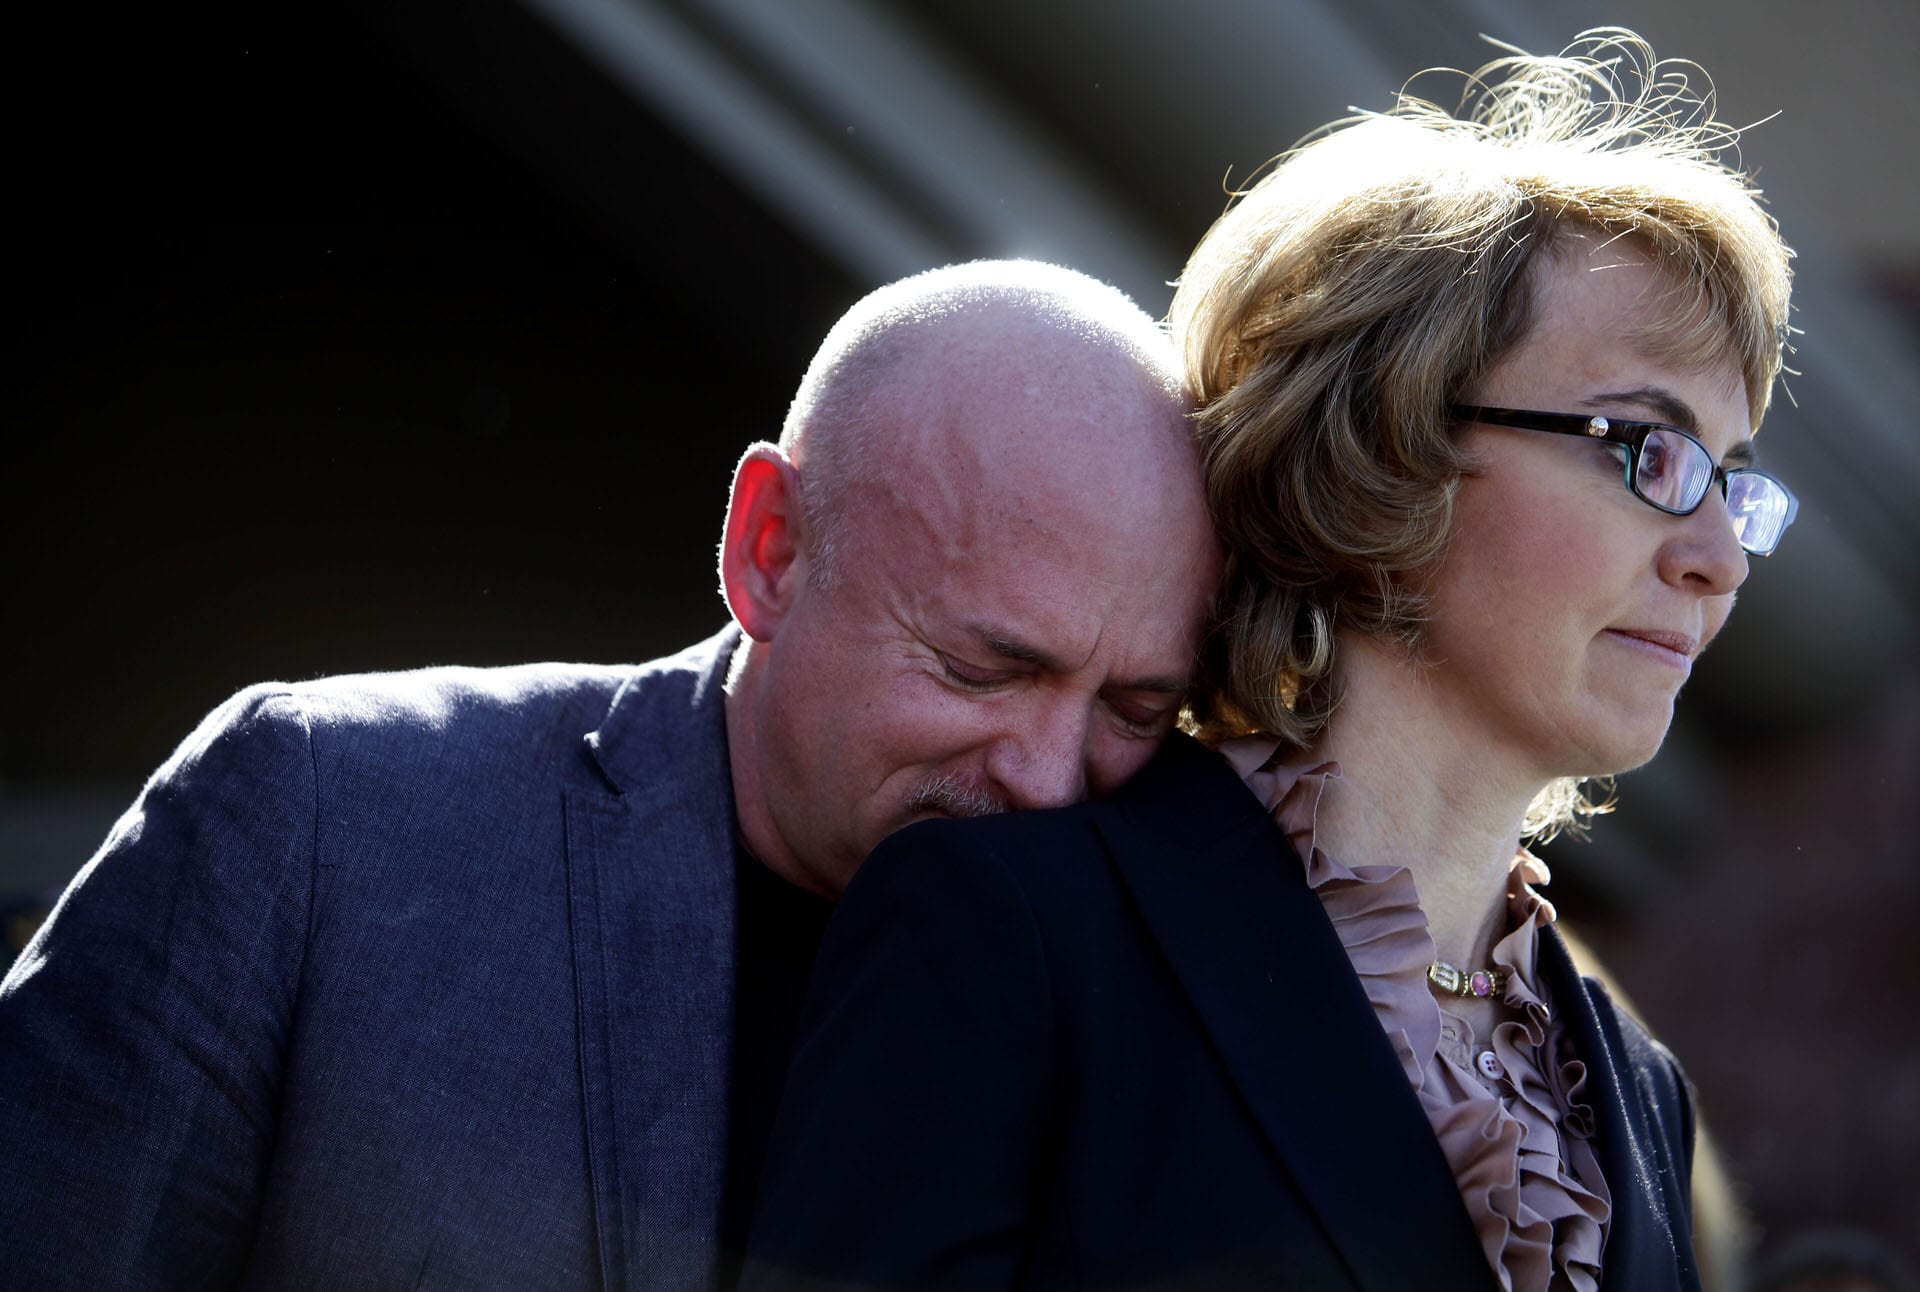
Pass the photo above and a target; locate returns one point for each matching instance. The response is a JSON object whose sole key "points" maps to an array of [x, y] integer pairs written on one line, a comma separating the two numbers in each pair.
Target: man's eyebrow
{"points": [[1674, 411], [1020, 652], [1159, 683]]}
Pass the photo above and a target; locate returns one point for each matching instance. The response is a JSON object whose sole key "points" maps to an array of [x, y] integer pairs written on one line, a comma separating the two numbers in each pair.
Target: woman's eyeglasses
{"points": [[1667, 469]]}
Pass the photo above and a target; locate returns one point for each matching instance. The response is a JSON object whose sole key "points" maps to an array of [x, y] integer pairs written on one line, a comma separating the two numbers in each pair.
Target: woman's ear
{"points": [[763, 559]]}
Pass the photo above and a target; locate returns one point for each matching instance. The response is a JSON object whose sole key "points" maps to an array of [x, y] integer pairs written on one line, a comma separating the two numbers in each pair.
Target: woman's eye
{"points": [[1655, 458]]}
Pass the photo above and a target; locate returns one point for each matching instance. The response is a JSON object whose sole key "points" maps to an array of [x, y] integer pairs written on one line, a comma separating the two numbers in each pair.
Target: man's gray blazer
{"points": [[408, 980]]}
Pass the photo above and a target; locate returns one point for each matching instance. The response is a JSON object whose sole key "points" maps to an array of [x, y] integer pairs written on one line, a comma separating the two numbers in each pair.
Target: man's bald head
{"points": [[973, 573], [910, 356]]}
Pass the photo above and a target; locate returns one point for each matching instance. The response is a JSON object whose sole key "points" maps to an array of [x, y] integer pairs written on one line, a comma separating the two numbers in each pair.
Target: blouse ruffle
{"points": [[1520, 1143]]}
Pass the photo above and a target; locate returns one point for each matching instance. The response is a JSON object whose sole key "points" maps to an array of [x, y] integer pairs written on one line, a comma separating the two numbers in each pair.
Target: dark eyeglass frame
{"points": [[1633, 436]]}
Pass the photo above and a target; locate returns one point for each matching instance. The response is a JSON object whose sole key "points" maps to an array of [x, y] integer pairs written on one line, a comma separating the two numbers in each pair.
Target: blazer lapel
{"points": [[1649, 1245], [1228, 902], [650, 888]]}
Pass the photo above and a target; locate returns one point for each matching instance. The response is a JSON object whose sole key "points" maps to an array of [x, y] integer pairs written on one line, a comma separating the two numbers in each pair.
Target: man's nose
{"points": [[1042, 762]]}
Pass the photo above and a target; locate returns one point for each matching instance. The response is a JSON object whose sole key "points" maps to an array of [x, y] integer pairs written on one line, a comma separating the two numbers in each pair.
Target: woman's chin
{"points": [[1618, 747]]}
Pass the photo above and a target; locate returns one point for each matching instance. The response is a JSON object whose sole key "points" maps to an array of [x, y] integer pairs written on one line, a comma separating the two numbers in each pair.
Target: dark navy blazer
{"points": [[1120, 1045], [416, 980]]}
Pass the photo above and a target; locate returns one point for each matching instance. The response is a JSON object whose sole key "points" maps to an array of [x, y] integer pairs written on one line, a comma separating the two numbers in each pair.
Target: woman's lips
{"points": [[1674, 649]]}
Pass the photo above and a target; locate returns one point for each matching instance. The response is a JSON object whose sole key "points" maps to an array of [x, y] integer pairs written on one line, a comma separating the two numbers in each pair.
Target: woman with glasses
{"points": [[1477, 399]]}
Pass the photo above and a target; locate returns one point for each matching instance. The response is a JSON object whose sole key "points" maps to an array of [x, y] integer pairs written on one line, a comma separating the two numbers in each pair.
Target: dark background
{"points": [[318, 376], [373, 336]]}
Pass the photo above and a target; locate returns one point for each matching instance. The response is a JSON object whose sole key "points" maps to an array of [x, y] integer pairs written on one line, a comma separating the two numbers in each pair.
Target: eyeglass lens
{"points": [[1669, 469], [1673, 472], [1760, 509]]}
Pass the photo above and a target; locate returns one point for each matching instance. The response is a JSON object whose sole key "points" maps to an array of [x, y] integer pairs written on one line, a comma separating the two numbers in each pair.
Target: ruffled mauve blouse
{"points": [[1508, 1113]]}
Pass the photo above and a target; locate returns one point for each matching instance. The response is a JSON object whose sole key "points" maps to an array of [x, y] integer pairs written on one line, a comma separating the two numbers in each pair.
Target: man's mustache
{"points": [[951, 795]]}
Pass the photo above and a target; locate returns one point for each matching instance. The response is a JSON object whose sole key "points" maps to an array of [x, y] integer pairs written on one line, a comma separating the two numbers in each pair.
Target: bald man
{"points": [[486, 978]]}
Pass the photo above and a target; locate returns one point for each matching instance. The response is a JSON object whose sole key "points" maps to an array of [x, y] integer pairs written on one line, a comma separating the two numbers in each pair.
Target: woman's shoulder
{"points": [[1184, 809], [1186, 792], [952, 865]]}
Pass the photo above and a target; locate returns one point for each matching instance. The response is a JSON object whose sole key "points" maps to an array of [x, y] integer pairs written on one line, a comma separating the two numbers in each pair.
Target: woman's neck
{"points": [[1418, 789]]}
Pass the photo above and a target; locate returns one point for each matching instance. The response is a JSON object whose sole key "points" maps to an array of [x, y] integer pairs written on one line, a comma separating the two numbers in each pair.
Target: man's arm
{"points": [[143, 1030]]}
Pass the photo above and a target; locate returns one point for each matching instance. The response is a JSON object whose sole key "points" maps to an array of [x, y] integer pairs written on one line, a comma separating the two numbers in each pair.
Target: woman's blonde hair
{"points": [[1374, 274]]}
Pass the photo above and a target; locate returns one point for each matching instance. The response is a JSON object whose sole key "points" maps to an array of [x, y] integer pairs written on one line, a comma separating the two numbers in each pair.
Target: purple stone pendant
{"points": [[1481, 984]]}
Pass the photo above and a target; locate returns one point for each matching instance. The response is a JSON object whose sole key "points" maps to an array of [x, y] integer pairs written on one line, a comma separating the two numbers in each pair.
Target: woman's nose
{"points": [[1704, 554]]}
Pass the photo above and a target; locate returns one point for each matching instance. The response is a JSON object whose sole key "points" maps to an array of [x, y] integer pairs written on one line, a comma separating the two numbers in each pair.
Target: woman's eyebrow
{"points": [[1666, 405], [1675, 411]]}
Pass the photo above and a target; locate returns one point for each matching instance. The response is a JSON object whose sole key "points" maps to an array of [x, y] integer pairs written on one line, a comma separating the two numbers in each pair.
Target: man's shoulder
{"points": [[417, 717], [435, 702], [435, 696], [506, 722]]}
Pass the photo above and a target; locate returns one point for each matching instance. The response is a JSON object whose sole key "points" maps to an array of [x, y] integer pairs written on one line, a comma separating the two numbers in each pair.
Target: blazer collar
{"points": [[678, 696], [650, 891], [1649, 1243], [1228, 902]]}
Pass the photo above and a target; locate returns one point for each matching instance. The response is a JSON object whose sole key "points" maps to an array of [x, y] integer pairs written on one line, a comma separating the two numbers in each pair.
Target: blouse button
{"points": [[1490, 1065]]}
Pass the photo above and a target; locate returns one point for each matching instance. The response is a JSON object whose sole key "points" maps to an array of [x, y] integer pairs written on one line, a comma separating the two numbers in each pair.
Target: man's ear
{"points": [[763, 561]]}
